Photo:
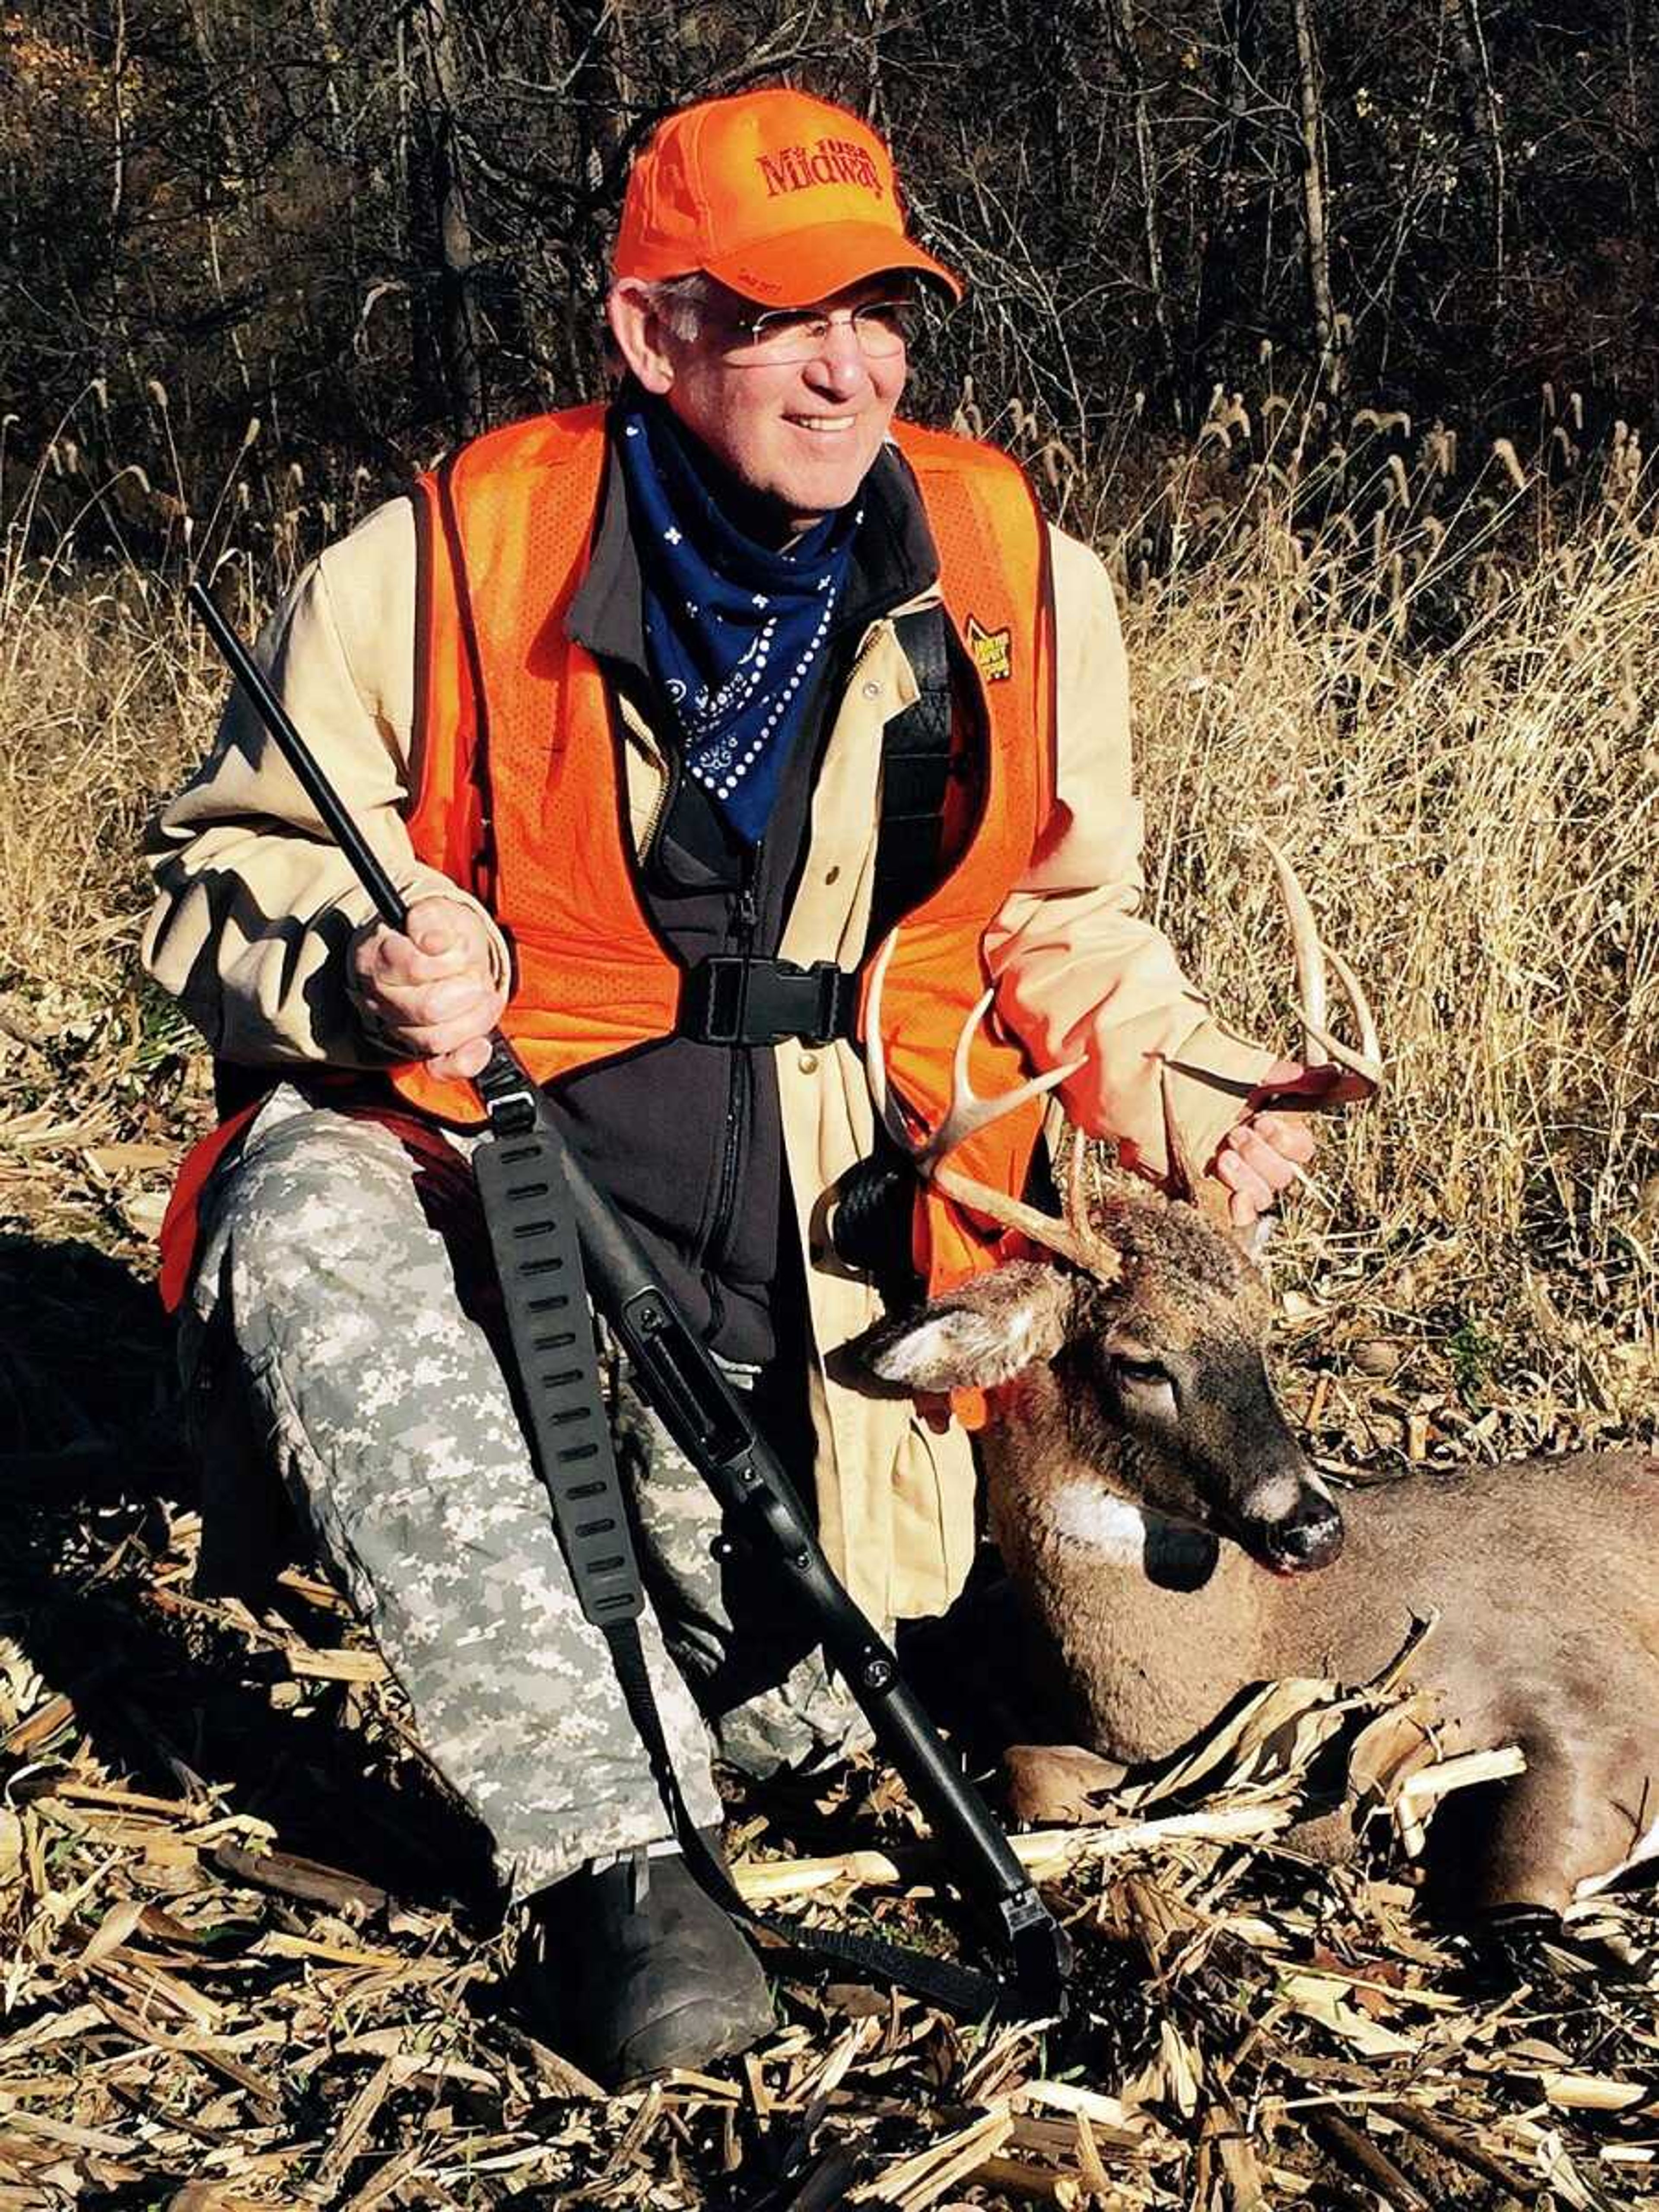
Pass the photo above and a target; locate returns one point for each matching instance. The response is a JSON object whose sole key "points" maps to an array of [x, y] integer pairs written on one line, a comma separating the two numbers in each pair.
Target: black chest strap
{"points": [[915, 771]]}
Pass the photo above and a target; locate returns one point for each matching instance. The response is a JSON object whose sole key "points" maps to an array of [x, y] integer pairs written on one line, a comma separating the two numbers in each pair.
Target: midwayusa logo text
{"points": [[827, 161]]}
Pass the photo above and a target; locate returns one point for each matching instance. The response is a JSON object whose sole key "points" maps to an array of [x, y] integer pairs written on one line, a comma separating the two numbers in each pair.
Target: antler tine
{"points": [[966, 1113], [1045, 1229], [1368, 1060], [1076, 1199], [875, 1053], [1308, 953], [1186, 1174], [1310, 957]]}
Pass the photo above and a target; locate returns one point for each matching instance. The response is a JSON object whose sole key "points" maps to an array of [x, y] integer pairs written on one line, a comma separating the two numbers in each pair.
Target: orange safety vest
{"points": [[519, 794]]}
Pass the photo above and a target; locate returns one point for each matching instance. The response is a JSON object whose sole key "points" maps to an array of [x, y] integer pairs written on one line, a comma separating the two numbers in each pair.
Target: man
{"points": [[661, 716]]}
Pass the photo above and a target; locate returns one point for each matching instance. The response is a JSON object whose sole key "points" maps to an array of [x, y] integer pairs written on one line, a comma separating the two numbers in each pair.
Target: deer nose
{"points": [[1308, 1538]]}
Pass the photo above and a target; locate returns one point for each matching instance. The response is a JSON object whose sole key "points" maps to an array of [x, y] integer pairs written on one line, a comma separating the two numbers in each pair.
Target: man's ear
{"points": [[981, 1333], [638, 331]]}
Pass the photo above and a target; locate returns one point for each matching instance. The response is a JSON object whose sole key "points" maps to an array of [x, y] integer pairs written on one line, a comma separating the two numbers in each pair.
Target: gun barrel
{"points": [[388, 901]]}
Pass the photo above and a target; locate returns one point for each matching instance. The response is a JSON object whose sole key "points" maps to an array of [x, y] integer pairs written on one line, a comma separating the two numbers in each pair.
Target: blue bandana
{"points": [[734, 631]]}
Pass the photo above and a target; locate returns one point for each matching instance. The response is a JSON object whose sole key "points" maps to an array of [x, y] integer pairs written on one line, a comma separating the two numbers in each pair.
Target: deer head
{"points": [[1145, 1372]]}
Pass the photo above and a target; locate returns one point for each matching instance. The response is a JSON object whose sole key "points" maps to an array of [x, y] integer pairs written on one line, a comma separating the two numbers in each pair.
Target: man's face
{"points": [[799, 436]]}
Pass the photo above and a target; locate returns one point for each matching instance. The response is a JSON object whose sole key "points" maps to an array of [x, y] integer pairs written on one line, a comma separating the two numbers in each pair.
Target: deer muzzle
{"points": [[1304, 1535]]}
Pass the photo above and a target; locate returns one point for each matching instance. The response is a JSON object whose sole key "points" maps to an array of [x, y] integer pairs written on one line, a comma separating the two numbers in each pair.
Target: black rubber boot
{"points": [[636, 1969]]}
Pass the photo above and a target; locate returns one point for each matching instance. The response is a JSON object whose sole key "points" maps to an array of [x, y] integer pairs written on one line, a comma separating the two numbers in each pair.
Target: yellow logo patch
{"points": [[992, 651]]}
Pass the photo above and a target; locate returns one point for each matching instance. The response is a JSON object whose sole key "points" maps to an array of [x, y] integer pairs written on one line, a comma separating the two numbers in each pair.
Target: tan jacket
{"points": [[255, 905]]}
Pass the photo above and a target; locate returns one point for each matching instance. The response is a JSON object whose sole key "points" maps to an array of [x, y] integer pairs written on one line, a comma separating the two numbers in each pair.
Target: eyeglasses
{"points": [[881, 327]]}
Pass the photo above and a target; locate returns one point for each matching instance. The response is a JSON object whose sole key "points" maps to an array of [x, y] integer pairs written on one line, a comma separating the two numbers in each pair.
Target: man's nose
{"points": [[839, 365]]}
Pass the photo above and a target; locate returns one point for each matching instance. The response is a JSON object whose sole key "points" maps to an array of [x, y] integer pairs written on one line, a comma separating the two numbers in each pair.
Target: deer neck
{"points": [[1156, 1623]]}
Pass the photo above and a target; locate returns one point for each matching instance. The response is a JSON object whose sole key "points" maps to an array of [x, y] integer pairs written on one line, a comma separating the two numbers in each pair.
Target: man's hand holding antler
{"points": [[1265, 1152]]}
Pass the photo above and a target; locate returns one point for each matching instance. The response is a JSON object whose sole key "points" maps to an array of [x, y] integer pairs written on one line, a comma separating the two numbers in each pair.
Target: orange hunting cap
{"points": [[782, 197]]}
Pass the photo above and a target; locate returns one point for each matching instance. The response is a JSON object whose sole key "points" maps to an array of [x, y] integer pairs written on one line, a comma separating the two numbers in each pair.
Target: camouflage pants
{"points": [[352, 1280]]}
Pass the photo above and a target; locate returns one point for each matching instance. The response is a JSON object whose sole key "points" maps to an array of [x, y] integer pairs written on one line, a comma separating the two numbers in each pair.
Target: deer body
{"points": [[1541, 1575], [1175, 1547]]}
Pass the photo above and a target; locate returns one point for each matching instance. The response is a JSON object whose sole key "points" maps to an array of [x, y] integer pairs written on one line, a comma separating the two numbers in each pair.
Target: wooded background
{"points": [[375, 225]]}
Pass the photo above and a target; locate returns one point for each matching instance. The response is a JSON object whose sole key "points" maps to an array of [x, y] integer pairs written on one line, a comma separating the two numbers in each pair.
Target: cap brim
{"points": [[811, 265]]}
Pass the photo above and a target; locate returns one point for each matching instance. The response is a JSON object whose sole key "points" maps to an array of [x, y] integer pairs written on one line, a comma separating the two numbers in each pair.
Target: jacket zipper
{"points": [[879, 629], [746, 918]]}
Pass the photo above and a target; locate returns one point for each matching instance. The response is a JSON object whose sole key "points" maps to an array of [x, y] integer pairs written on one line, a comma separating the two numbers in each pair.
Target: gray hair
{"points": [[682, 301]]}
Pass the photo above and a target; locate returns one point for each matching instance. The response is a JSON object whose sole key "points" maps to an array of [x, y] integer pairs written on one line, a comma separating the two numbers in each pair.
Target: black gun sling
{"points": [[917, 762], [531, 1218], [870, 1226]]}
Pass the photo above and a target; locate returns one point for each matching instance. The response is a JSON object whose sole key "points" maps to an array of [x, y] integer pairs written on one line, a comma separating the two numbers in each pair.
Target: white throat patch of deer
{"points": [[1140, 1476]]}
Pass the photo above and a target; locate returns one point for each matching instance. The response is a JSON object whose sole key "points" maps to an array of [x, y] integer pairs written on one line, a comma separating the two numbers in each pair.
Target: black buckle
{"points": [[509, 1097], [728, 999]]}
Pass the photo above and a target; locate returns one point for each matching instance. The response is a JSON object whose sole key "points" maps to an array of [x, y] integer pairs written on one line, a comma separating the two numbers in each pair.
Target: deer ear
{"points": [[981, 1334]]}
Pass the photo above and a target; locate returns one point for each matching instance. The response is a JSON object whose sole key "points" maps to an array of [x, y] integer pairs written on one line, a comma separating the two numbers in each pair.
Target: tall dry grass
{"points": [[104, 696], [1445, 701], [1435, 682], [108, 696]]}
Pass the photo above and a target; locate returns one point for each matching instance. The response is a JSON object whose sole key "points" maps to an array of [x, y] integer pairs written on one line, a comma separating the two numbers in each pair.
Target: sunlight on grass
{"points": [[1428, 671]]}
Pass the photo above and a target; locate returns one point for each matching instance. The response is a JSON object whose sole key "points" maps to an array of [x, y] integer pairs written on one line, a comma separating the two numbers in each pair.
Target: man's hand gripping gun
{"points": [[546, 1219]]}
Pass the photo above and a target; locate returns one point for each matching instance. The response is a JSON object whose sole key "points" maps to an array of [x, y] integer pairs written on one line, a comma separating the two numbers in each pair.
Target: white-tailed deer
{"points": [[1165, 1528]]}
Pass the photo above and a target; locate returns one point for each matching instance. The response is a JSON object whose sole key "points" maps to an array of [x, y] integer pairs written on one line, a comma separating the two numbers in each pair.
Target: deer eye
{"points": [[1147, 1372]]}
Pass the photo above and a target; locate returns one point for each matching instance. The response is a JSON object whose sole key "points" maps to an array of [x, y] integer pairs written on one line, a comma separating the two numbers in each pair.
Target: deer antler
{"points": [[966, 1113], [1367, 1063]]}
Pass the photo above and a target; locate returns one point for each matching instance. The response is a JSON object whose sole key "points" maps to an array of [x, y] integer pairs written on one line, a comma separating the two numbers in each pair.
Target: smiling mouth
{"points": [[825, 426]]}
